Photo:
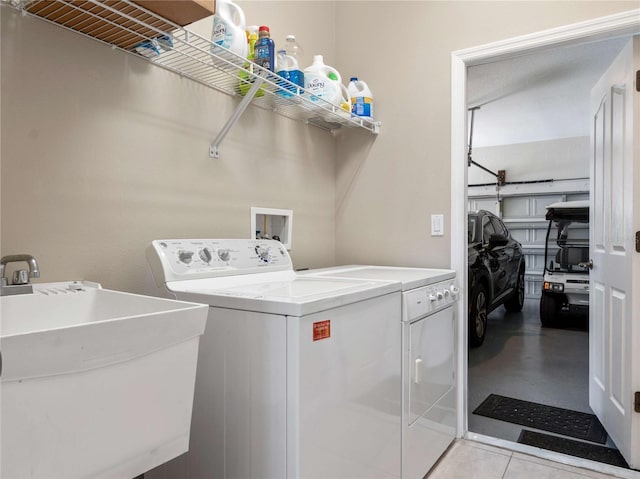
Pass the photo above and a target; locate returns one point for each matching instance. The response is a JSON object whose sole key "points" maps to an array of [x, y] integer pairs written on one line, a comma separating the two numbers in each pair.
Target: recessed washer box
{"points": [[272, 223]]}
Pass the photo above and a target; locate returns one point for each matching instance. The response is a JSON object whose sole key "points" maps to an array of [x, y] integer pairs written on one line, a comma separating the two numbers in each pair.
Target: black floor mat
{"points": [[547, 418], [593, 452]]}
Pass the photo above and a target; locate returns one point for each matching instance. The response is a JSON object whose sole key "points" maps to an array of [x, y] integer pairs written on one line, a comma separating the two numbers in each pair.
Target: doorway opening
{"points": [[557, 360]]}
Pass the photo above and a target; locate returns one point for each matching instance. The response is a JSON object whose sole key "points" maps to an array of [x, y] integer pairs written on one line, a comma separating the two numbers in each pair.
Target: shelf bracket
{"points": [[242, 106]]}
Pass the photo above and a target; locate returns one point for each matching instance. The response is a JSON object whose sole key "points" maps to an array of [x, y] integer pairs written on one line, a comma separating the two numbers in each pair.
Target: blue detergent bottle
{"points": [[265, 49], [288, 66]]}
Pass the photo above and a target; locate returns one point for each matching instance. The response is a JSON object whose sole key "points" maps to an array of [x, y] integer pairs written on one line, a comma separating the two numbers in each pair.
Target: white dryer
{"points": [[298, 376], [428, 358]]}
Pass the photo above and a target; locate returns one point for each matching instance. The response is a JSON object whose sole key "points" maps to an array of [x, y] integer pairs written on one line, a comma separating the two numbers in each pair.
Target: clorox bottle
{"points": [[229, 27], [323, 82], [361, 98]]}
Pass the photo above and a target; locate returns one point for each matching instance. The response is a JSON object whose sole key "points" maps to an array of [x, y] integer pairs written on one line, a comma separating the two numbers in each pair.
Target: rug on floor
{"points": [[585, 450], [566, 422]]}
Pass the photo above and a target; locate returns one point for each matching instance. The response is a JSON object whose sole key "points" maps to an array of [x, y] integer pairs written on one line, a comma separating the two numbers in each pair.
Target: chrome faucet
{"points": [[20, 284]]}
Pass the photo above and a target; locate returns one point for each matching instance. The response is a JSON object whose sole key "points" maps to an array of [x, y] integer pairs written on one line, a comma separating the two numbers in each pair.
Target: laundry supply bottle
{"points": [[288, 65], [361, 98], [323, 83], [229, 30], [246, 79], [265, 49]]}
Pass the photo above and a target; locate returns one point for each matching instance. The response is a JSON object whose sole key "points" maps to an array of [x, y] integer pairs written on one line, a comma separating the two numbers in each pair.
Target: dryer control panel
{"points": [[182, 259], [429, 299]]}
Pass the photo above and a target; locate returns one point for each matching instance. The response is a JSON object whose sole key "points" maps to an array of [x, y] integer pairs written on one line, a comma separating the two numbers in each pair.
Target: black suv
{"points": [[496, 271]]}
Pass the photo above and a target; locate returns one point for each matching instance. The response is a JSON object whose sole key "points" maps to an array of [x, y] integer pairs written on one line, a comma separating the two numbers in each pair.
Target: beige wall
{"points": [[387, 190], [102, 152]]}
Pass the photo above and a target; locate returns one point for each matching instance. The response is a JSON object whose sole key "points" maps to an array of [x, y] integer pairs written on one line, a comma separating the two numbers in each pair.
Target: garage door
{"points": [[524, 216]]}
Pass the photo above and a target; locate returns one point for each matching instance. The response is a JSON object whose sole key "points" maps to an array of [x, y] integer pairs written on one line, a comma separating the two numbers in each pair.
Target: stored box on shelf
{"points": [[122, 23], [182, 12]]}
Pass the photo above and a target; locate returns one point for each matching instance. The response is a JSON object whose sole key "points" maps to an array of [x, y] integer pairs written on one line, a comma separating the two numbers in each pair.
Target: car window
{"points": [[487, 229], [499, 226]]}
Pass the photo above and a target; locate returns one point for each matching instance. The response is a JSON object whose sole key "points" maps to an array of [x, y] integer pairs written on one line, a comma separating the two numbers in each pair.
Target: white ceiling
{"points": [[537, 97]]}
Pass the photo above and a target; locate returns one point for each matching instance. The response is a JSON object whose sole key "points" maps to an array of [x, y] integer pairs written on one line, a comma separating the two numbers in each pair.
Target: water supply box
{"points": [[182, 12]]}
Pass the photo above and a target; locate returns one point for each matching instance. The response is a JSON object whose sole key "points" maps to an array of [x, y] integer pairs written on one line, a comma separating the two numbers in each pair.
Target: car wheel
{"points": [[478, 311], [548, 311], [516, 302]]}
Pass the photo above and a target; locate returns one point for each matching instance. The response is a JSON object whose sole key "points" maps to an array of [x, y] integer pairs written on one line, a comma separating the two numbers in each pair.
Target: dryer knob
{"points": [[439, 295], [432, 298]]}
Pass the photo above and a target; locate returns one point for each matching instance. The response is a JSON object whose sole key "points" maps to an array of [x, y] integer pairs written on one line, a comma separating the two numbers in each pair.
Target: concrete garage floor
{"points": [[522, 359]]}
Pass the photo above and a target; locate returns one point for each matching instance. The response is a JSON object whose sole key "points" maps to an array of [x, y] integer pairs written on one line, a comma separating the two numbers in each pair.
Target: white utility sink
{"points": [[95, 383]]}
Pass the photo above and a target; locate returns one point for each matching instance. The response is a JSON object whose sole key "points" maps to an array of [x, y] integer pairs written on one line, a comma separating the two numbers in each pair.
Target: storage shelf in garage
{"points": [[124, 24]]}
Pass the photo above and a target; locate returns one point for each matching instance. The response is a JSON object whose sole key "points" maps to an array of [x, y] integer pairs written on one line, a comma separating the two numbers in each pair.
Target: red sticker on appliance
{"points": [[321, 330]]}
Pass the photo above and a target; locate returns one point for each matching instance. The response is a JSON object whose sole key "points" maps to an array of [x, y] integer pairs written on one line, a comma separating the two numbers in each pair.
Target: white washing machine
{"points": [[298, 376], [428, 358]]}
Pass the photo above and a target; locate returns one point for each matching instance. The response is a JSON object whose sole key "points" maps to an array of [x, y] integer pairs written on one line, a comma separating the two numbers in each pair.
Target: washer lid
{"points": [[297, 295], [409, 277]]}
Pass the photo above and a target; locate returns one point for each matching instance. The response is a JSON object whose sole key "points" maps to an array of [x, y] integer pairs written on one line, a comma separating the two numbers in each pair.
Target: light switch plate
{"points": [[437, 225]]}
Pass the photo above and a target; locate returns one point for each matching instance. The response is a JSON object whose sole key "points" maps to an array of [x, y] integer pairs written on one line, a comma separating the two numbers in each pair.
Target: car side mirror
{"points": [[496, 240]]}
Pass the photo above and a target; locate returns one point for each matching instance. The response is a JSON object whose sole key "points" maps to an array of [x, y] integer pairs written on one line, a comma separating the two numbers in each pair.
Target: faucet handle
{"points": [[20, 276]]}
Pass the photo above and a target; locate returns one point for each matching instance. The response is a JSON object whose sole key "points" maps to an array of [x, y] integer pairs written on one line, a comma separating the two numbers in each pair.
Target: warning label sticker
{"points": [[321, 330]]}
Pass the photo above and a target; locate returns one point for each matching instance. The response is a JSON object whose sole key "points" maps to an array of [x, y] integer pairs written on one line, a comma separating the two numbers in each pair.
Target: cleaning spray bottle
{"points": [[245, 78]]}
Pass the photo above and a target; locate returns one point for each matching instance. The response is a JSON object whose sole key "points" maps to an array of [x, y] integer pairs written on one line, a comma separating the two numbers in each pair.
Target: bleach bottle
{"points": [[323, 82], [361, 98], [229, 27]]}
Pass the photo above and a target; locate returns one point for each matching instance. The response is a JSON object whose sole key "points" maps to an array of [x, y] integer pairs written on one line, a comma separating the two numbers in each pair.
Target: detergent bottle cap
{"points": [[353, 79]]}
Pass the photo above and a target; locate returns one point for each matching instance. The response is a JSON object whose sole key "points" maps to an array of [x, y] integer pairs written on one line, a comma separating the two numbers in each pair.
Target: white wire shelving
{"points": [[125, 25]]}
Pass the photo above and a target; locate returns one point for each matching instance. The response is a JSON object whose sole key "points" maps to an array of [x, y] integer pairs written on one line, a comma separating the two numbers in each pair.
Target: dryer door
{"points": [[430, 361]]}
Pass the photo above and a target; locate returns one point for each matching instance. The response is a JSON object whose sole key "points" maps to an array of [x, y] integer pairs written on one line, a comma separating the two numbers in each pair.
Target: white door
{"points": [[614, 342]]}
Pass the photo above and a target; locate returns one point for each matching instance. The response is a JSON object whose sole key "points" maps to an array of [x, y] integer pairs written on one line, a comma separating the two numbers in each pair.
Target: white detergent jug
{"points": [[323, 83], [229, 28]]}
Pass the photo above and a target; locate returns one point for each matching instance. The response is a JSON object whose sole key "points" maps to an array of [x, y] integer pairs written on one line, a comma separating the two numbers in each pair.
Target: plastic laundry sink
{"points": [[95, 383]]}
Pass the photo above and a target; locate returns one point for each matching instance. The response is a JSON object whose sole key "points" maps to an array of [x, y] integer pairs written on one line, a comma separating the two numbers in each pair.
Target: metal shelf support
{"points": [[242, 106]]}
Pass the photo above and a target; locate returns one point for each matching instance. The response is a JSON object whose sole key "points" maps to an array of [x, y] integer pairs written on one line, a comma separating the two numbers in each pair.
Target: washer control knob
{"points": [[439, 295], [263, 253], [432, 298], [446, 293], [185, 256], [205, 255], [224, 254]]}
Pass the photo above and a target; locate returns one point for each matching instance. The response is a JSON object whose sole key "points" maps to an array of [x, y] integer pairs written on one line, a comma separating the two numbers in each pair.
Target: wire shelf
{"points": [[130, 27]]}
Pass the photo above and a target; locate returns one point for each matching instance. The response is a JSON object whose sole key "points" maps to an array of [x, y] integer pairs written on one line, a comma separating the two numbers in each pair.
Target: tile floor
{"points": [[473, 460]]}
